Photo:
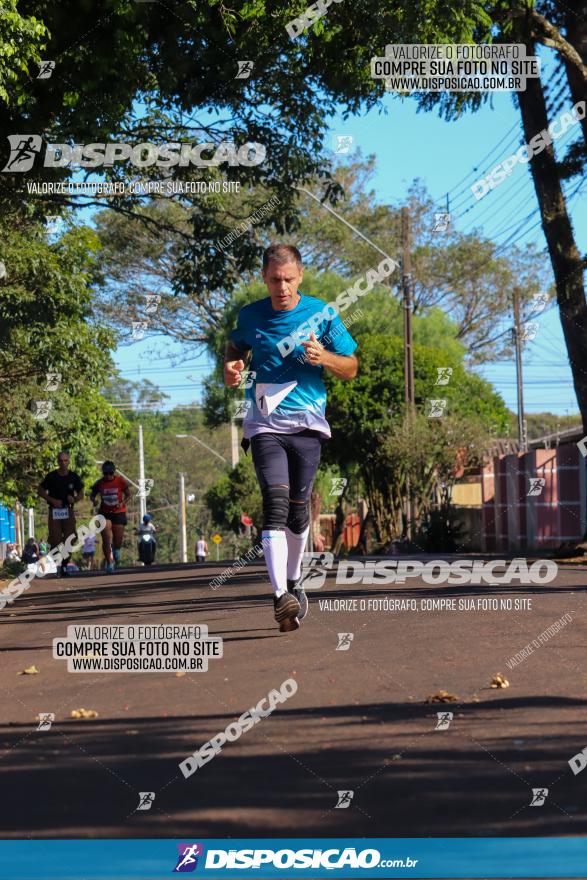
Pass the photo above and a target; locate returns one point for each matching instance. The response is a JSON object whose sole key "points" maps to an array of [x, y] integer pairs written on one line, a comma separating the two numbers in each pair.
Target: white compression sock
{"points": [[275, 550], [295, 551]]}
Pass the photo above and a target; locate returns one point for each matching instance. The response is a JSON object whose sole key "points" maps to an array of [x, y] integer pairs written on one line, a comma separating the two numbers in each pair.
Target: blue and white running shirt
{"points": [[284, 393]]}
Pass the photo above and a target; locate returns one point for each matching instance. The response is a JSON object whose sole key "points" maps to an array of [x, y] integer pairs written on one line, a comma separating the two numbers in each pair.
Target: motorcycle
{"points": [[147, 548]]}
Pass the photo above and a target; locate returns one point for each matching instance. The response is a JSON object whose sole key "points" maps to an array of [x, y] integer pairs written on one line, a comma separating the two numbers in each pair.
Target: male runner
{"points": [[114, 492], [61, 489], [285, 418]]}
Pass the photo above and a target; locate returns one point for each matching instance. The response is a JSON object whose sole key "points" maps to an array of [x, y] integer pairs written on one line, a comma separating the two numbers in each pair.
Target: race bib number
{"points": [[269, 396], [60, 513]]}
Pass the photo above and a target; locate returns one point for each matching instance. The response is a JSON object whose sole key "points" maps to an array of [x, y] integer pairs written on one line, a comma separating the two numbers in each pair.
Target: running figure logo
{"points": [[53, 381], [437, 409], [344, 800], [343, 144], [247, 379], [145, 487], [241, 408], [23, 151], [46, 68], [444, 719], [540, 301], [46, 719], [529, 332], [338, 485], [314, 568], [41, 408], [539, 795], [536, 486], [444, 374], [344, 641], [189, 854], [138, 329], [152, 302], [146, 799], [245, 69], [441, 221]]}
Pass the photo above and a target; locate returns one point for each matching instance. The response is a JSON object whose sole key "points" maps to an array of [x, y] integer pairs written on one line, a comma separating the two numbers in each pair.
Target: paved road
{"points": [[358, 721]]}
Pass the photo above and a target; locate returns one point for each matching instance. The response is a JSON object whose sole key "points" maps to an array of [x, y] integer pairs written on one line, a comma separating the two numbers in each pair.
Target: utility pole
{"points": [[234, 442], [409, 396], [183, 541], [407, 301], [517, 340], [142, 499]]}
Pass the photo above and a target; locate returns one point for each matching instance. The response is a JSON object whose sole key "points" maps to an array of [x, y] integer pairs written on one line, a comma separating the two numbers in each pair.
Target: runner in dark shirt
{"points": [[61, 489]]}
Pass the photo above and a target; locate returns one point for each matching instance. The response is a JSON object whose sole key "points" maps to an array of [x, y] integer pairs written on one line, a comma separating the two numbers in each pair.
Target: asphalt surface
{"points": [[358, 721]]}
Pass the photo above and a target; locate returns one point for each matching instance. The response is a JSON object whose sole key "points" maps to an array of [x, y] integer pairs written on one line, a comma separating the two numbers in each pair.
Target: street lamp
{"points": [[205, 445]]}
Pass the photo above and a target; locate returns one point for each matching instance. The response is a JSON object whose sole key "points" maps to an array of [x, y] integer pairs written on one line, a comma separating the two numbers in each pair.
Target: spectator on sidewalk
{"points": [[11, 553], [30, 554]]}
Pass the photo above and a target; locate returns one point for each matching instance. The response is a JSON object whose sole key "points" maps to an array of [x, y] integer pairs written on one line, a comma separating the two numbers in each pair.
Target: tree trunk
{"points": [[566, 261], [339, 519], [576, 27]]}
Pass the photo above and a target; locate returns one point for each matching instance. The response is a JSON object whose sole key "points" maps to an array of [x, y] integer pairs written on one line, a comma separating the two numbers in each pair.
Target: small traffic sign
{"points": [[217, 539]]}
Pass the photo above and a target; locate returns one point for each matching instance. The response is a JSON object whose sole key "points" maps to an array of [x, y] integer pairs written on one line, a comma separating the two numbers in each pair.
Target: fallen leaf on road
{"points": [[499, 681], [30, 670], [179, 674], [441, 697], [83, 713]]}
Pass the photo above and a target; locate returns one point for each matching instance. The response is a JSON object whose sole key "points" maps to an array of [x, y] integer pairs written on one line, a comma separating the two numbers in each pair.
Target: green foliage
{"points": [[234, 494], [539, 424], [47, 325], [362, 411], [22, 39], [463, 276], [372, 431]]}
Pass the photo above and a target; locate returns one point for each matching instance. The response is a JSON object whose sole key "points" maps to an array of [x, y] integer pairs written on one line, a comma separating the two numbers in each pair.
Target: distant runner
{"points": [[285, 420], [61, 489], [201, 549], [115, 492], [88, 552]]}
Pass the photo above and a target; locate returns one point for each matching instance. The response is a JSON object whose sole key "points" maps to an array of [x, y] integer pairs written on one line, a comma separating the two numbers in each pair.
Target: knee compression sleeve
{"points": [[298, 517], [275, 507]]}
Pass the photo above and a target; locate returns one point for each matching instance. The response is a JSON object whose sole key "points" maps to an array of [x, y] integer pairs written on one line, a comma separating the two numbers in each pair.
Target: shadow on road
{"points": [[282, 777]]}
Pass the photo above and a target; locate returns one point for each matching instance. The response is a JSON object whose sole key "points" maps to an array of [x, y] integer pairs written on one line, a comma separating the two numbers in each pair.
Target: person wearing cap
{"points": [[61, 489], [147, 527], [114, 492]]}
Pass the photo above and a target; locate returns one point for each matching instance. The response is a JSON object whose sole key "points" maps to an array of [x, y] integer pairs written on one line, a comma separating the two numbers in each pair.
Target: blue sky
{"points": [[444, 155]]}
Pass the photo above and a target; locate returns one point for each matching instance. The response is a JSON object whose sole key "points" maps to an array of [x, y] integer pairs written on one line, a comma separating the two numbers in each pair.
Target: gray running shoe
{"points": [[296, 589], [287, 609]]}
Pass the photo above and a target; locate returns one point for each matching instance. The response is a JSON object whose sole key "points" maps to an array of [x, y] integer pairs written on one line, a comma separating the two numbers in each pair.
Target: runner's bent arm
{"points": [[234, 363], [340, 365]]}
